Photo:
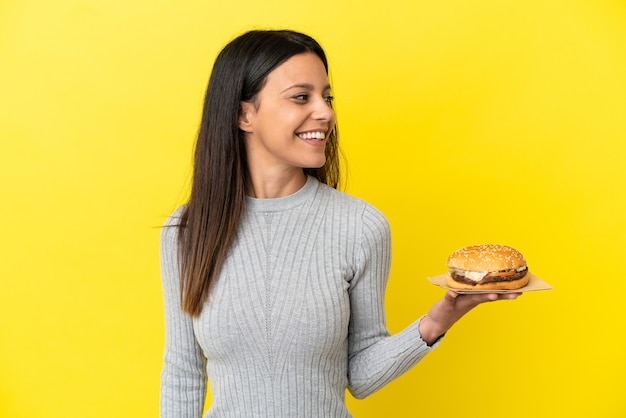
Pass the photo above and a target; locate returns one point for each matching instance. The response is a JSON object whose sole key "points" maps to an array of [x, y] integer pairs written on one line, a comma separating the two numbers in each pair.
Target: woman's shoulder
{"points": [[350, 202], [169, 229], [175, 217]]}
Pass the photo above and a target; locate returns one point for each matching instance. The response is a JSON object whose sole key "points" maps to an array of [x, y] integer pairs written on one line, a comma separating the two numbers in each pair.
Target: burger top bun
{"points": [[484, 258]]}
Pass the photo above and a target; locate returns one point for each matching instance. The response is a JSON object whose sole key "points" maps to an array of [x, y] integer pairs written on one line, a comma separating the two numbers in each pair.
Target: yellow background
{"points": [[463, 121]]}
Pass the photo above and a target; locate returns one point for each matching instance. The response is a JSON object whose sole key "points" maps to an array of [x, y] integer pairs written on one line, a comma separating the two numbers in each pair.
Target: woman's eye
{"points": [[305, 98]]}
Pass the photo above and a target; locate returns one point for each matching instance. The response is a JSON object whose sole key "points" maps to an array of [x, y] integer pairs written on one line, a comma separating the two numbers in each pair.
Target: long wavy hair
{"points": [[210, 219]]}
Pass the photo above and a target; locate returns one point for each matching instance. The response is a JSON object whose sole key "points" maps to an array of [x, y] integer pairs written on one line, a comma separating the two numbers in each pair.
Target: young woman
{"points": [[273, 280]]}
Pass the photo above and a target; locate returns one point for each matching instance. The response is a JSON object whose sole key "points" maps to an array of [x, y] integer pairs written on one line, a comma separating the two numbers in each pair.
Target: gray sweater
{"points": [[295, 317]]}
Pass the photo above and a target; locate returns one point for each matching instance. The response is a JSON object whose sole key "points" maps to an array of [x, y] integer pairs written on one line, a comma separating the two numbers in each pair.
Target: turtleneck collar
{"points": [[287, 202]]}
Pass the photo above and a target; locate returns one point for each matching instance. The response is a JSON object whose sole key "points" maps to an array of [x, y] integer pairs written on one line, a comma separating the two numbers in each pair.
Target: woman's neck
{"points": [[269, 186]]}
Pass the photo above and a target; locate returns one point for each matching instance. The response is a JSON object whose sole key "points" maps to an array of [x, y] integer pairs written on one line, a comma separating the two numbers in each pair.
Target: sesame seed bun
{"points": [[487, 267]]}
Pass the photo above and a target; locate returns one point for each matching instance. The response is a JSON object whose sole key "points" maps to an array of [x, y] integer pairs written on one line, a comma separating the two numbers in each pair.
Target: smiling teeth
{"points": [[312, 135]]}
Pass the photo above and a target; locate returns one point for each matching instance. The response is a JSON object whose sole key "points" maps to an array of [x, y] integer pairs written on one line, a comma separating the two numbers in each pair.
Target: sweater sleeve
{"points": [[183, 376], [374, 357]]}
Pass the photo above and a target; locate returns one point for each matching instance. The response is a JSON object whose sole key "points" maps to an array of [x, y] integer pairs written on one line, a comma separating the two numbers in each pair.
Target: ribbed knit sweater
{"points": [[296, 315]]}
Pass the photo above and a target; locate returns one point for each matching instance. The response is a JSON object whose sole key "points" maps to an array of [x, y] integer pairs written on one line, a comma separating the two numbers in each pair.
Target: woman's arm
{"points": [[183, 377], [376, 358]]}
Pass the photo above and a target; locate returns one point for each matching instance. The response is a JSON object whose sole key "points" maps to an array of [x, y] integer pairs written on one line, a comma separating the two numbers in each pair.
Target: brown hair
{"points": [[210, 219]]}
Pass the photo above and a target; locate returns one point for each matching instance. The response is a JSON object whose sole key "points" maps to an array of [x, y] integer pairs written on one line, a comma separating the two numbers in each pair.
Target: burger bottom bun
{"points": [[507, 285]]}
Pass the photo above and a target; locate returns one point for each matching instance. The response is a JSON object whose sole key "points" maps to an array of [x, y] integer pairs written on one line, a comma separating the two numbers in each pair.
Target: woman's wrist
{"points": [[430, 331]]}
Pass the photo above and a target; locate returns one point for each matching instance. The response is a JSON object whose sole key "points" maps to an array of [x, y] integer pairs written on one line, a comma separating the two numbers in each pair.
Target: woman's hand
{"points": [[451, 308]]}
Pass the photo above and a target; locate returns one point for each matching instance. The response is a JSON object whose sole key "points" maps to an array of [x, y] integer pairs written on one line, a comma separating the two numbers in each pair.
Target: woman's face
{"points": [[287, 125]]}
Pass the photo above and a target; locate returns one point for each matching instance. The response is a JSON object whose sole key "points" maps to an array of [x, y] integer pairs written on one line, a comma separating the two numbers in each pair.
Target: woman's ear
{"points": [[244, 120]]}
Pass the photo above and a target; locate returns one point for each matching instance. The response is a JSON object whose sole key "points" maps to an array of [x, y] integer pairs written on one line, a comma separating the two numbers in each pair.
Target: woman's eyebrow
{"points": [[306, 86]]}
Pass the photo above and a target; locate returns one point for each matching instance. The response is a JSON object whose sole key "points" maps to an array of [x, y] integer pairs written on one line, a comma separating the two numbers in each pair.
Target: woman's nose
{"points": [[323, 111]]}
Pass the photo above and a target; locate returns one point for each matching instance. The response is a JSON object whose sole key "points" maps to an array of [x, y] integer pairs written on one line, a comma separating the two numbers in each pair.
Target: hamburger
{"points": [[487, 267]]}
